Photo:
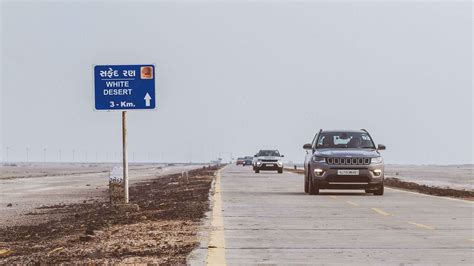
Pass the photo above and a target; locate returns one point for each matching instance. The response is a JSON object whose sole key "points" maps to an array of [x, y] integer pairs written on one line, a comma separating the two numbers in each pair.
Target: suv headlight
{"points": [[376, 160], [318, 159]]}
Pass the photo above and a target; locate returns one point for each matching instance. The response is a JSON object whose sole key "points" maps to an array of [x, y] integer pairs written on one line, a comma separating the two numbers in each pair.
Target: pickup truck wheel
{"points": [[280, 171], [312, 188], [379, 191], [257, 171]]}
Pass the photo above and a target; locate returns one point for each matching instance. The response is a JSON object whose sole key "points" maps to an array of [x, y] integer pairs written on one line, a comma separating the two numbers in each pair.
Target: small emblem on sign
{"points": [[146, 72]]}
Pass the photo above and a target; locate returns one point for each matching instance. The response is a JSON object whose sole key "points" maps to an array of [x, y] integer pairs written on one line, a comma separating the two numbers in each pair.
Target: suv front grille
{"points": [[270, 161], [347, 161]]}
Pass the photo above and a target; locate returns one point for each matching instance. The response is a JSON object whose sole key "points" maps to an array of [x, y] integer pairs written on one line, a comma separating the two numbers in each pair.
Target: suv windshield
{"points": [[268, 153], [345, 140]]}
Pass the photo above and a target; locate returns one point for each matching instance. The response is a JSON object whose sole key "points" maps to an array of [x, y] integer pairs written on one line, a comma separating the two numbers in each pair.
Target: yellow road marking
{"points": [[333, 197], [382, 212], [216, 247], [422, 225], [352, 203], [431, 196]]}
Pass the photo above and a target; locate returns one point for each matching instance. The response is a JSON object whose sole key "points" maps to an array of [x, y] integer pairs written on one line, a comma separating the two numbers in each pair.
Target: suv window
{"points": [[313, 144], [344, 140], [269, 153]]}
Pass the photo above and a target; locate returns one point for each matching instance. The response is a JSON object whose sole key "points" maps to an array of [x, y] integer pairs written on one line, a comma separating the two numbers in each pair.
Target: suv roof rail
{"points": [[365, 130]]}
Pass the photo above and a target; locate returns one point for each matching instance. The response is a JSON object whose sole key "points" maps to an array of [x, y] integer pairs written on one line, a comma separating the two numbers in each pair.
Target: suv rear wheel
{"points": [[280, 171], [257, 171]]}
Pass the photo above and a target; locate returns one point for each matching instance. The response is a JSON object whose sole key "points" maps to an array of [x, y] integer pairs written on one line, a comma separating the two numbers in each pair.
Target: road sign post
{"points": [[125, 155], [122, 88]]}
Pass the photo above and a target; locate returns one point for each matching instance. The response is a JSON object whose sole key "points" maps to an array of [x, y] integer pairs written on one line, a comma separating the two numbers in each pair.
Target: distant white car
{"points": [[268, 160]]}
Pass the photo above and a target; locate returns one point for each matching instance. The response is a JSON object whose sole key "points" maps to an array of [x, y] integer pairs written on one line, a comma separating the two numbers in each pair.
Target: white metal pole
{"points": [[125, 156]]}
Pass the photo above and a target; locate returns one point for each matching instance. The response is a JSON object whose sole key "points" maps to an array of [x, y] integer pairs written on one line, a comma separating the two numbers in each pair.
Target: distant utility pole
{"points": [[226, 152], [44, 155], [7, 154], [27, 154]]}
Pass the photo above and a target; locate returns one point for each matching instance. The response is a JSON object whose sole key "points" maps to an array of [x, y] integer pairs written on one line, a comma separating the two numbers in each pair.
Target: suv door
{"points": [[309, 155]]}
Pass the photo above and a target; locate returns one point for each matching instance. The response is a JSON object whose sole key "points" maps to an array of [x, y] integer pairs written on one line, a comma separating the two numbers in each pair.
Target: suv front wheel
{"points": [[377, 192], [306, 183], [312, 188]]}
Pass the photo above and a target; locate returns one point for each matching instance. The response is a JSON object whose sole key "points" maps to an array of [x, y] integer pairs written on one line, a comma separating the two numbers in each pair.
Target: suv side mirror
{"points": [[381, 147], [256, 155], [307, 146], [282, 155]]}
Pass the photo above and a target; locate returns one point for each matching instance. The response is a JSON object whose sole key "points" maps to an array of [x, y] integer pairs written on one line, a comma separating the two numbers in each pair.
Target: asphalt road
{"points": [[267, 218]]}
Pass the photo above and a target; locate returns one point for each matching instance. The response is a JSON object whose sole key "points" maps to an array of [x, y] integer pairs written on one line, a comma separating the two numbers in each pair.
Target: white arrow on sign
{"points": [[147, 99]]}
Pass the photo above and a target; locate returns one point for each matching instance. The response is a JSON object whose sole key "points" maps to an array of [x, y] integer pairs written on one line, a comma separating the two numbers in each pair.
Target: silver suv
{"points": [[268, 160], [343, 160]]}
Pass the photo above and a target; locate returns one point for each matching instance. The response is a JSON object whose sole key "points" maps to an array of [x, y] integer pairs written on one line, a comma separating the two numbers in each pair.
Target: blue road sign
{"points": [[124, 87]]}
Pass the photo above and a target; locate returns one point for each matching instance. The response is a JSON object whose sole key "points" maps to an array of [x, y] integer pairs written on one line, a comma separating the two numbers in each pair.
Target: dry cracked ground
{"points": [[160, 228]]}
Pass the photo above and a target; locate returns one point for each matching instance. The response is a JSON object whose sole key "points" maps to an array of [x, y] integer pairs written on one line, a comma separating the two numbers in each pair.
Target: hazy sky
{"points": [[236, 77]]}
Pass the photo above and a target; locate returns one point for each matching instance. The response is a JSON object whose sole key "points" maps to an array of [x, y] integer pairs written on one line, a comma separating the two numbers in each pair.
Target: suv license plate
{"points": [[348, 172], [269, 165]]}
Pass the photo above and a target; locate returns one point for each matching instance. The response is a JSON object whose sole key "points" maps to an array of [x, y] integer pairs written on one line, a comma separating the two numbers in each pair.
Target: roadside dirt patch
{"points": [[446, 192], [160, 228]]}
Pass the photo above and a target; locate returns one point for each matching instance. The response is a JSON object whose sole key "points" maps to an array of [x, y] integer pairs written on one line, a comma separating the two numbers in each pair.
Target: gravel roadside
{"points": [[160, 228]]}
